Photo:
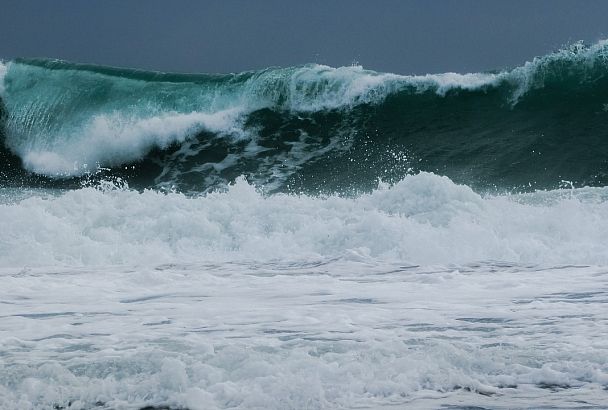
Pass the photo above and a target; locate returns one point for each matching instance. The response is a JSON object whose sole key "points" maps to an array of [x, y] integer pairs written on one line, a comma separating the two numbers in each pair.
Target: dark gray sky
{"points": [[417, 36]]}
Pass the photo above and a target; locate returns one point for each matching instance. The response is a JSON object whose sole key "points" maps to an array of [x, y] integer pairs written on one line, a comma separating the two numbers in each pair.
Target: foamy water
{"points": [[420, 295], [322, 333], [424, 219]]}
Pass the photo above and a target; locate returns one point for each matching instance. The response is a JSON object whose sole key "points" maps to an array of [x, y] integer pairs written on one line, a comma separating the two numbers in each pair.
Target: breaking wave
{"points": [[308, 129], [424, 219]]}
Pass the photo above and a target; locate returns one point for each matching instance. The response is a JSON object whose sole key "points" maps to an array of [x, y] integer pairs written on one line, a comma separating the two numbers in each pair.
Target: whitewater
{"points": [[304, 238]]}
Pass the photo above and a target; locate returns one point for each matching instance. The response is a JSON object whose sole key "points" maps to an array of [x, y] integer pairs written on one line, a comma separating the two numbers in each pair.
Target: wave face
{"points": [[308, 129]]}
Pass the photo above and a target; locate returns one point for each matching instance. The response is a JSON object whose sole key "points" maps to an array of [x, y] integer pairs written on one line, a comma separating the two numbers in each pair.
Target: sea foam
{"points": [[113, 139], [424, 219], [319, 333]]}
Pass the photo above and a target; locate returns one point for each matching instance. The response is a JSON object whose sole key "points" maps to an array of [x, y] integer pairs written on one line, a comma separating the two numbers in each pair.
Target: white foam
{"points": [[237, 300], [314, 334], [424, 219], [442, 83], [334, 88], [319, 87], [113, 139]]}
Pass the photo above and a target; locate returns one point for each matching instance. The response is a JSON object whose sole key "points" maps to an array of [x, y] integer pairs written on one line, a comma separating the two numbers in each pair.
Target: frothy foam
{"points": [[113, 139], [424, 219], [443, 83], [335, 333]]}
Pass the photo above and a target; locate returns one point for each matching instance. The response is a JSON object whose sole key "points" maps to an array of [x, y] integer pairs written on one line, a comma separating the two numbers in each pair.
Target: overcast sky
{"points": [[227, 36]]}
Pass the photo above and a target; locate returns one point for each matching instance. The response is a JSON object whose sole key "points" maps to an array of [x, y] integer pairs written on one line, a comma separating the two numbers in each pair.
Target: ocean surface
{"points": [[305, 238]]}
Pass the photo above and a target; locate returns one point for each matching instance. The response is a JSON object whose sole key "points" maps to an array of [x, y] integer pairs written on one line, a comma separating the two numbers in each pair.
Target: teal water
{"points": [[308, 129]]}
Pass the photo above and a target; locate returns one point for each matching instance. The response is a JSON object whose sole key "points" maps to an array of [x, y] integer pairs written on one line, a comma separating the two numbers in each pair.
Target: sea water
{"points": [[304, 238]]}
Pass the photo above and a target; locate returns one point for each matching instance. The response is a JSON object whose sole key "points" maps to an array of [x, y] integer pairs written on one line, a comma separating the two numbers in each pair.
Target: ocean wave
{"points": [[64, 120], [64, 117]]}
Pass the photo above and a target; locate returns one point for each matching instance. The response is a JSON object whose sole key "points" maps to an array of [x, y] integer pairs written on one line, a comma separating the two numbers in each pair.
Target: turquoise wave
{"points": [[307, 129]]}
